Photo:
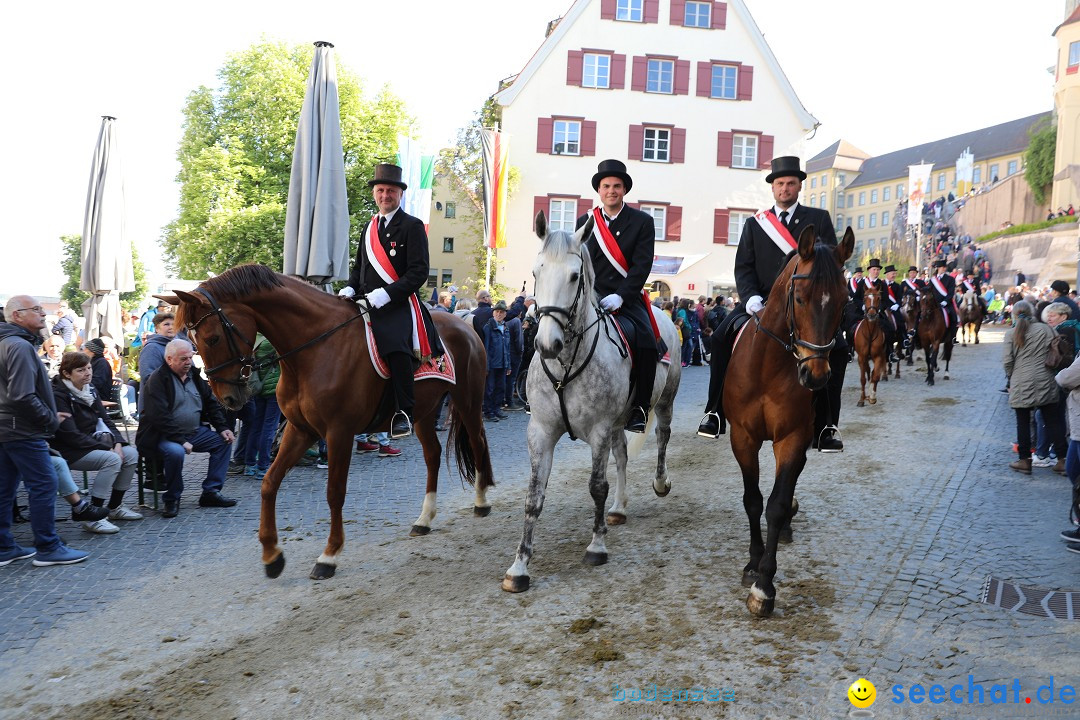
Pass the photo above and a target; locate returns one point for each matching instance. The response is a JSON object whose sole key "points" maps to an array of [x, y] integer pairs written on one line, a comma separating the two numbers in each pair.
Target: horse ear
{"points": [[846, 246], [585, 231], [806, 242], [186, 297], [171, 299], [541, 225]]}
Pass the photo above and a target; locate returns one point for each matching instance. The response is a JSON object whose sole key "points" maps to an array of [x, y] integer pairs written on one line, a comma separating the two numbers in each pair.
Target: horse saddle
{"points": [[627, 334], [437, 368]]}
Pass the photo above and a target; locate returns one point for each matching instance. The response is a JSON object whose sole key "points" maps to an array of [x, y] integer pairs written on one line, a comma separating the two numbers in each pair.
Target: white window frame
{"points": [[660, 68], [736, 220], [1012, 168], [450, 210], [630, 10], [813, 183], [873, 196], [886, 193], [994, 172], [1074, 54], [976, 175], [884, 218], [941, 181], [447, 241], [596, 70], [813, 200], [862, 198], [656, 145], [570, 134], [860, 222], [446, 277], [873, 220], [744, 151], [729, 82], [562, 214], [659, 216], [822, 201], [704, 11], [899, 191]]}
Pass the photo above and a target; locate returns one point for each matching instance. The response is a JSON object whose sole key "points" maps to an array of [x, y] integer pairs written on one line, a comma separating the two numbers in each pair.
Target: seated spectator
{"points": [[1059, 292], [53, 354], [181, 416], [101, 368], [81, 508], [152, 356], [88, 440]]}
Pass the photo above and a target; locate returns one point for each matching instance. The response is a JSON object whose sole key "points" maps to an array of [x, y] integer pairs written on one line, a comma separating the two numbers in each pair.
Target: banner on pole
{"points": [[918, 184], [965, 172], [417, 171], [496, 153]]}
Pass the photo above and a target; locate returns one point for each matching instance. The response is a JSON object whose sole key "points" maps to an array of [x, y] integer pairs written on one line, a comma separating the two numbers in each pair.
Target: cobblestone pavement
{"points": [[907, 524]]}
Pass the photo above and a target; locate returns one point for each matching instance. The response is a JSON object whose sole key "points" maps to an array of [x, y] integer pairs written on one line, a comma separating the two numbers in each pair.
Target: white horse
{"points": [[580, 372]]}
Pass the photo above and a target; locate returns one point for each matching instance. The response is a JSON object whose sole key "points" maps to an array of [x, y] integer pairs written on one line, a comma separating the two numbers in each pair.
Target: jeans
{"points": [[1072, 461], [260, 431], [1054, 429], [65, 485], [1043, 437], [29, 459], [511, 379], [203, 440], [495, 390], [382, 438], [112, 472], [245, 437]]}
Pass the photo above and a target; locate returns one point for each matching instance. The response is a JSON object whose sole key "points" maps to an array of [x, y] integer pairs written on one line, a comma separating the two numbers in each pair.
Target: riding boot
{"points": [[643, 387], [401, 377], [713, 425], [827, 402]]}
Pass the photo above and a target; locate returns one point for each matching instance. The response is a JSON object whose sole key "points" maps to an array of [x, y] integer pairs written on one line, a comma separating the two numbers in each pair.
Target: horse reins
{"points": [[794, 341]]}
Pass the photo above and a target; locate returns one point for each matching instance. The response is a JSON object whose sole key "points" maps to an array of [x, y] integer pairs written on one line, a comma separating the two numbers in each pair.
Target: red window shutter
{"points": [[652, 11], [678, 12], [618, 72], [639, 74], [607, 9], [682, 77], [719, 15], [575, 62], [637, 142], [588, 137], [746, 82], [678, 145], [540, 202], [636, 206], [673, 231], [584, 205], [724, 149], [704, 79], [545, 129], [765, 151], [720, 226]]}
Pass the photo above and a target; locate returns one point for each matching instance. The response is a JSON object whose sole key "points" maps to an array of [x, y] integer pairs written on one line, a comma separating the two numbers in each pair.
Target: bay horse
{"points": [[329, 388], [971, 316], [579, 384], [869, 342], [910, 309], [767, 393], [933, 331]]}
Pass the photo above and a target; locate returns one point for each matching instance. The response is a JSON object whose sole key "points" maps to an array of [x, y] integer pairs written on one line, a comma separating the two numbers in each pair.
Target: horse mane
{"points": [[235, 284], [823, 276], [560, 243]]}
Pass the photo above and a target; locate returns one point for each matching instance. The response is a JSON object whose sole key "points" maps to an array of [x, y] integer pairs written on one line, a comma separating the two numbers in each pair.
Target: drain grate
{"points": [[1057, 604]]}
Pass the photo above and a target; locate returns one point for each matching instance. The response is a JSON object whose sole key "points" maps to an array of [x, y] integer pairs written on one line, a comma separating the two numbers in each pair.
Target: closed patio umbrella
{"points": [[317, 215], [106, 254]]}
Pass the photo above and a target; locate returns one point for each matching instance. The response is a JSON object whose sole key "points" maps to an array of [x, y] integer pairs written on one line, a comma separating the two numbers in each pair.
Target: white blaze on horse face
{"points": [[824, 300]]}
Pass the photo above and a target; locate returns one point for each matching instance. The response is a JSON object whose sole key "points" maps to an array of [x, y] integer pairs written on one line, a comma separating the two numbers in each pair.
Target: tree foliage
{"points": [[1039, 160], [236, 157], [71, 265]]}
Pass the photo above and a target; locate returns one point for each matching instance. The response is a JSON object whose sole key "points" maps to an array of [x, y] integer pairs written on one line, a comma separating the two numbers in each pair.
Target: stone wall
{"points": [[1009, 200], [1043, 256]]}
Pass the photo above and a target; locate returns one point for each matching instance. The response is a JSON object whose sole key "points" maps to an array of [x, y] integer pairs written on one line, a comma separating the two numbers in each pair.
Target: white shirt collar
{"points": [[391, 215], [790, 211], [612, 217]]}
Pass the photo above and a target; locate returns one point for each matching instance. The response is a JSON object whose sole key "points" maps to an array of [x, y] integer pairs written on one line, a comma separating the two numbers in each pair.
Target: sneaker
{"points": [[501, 415], [1071, 547], [235, 469], [62, 555], [1070, 535], [102, 527], [1041, 462], [388, 451], [249, 471], [491, 418], [322, 463], [16, 553], [124, 513], [366, 447], [85, 512]]}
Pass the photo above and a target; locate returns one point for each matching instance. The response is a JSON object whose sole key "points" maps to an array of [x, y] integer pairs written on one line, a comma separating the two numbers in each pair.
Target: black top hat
{"points": [[874, 263], [785, 166], [938, 263], [857, 270], [611, 168], [912, 268], [387, 174], [889, 269]]}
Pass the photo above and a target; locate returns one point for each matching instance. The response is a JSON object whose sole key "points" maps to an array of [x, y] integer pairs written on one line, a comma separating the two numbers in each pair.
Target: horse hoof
{"points": [[749, 577], [786, 535], [275, 566], [419, 530], [616, 519], [873, 401], [595, 558], [945, 376], [515, 583], [322, 571], [861, 404], [479, 511], [794, 506], [759, 606], [664, 492]]}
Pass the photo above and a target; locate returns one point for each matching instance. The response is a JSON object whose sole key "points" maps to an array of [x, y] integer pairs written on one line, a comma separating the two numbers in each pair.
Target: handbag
{"points": [[1061, 353]]}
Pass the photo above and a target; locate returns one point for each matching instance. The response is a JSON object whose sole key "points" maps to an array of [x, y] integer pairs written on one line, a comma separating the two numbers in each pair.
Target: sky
{"points": [[883, 76]]}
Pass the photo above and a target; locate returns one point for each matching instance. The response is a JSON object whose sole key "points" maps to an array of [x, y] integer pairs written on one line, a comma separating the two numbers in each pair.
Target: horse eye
{"points": [[212, 341], [799, 300], [573, 277]]}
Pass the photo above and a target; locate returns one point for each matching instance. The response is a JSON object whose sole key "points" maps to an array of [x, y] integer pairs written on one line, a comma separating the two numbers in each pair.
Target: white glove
{"points": [[754, 304], [895, 307], [346, 292], [943, 303], [612, 302], [378, 297]]}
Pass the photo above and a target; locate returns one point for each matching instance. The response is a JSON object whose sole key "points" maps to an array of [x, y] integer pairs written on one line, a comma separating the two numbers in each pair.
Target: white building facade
{"points": [[687, 93]]}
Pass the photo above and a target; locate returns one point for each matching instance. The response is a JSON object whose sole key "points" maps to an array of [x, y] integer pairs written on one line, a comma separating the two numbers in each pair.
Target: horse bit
{"points": [[794, 341]]}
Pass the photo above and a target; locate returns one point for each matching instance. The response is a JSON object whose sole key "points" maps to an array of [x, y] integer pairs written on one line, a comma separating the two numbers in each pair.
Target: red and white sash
{"points": [[615, 256], [776, 231], [891, 295], [911, 284], [381, 262], [940, 287], [853, 286]]}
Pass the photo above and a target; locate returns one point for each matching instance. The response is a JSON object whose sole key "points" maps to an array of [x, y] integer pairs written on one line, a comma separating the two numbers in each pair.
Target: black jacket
{"points": [[102, 378], [480, 316], [156, 420], [27, 407], [758, 261], [75, 437], [635, 234]]}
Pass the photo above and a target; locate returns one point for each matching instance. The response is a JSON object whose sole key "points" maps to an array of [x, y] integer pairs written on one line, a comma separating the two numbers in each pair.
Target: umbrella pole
{"points": [[487, 271]]}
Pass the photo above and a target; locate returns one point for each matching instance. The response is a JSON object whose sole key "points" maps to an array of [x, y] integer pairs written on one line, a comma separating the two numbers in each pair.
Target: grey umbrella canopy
{"points": [[317, 216], [106, 254]]}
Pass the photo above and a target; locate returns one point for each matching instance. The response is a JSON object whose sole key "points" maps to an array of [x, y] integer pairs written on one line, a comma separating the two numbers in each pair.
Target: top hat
{"points": [[938, 263], [912, 268], [387, 174], [857, 270], [611, 168], [874, 263], [784, 166], [889, 269]]}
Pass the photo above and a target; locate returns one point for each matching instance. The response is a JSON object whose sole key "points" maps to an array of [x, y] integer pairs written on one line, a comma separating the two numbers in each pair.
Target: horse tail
{"points": [[459, 443], [636, 441]]}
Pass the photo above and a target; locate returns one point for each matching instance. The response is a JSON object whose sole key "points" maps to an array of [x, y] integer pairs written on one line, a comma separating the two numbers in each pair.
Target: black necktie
{"points": [[783, 217], [607, 220], [382, 223]]}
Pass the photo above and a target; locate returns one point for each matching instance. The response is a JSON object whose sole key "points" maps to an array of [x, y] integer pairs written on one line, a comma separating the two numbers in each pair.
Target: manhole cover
{"points": [[1057, 604]]}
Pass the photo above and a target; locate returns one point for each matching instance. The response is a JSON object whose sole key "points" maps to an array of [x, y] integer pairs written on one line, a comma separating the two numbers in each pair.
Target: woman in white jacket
{"points": [[1069, 380]]}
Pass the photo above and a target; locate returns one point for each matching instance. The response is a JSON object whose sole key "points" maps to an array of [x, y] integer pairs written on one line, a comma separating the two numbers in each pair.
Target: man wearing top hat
{"points": [[894, 294], [758, 262], [619, 282], [943, 286], [391, 266]]}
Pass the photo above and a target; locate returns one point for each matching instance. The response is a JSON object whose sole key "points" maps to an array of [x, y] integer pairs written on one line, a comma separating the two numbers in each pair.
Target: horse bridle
{"points": [[247, 362], [794, 341]]}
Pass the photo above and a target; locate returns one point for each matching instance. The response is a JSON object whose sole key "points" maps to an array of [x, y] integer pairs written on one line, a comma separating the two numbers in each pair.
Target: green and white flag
{"points": [[417, 171]]}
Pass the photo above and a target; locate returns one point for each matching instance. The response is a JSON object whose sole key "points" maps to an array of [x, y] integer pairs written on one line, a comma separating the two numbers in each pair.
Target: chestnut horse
{"points": [[329, 388], [869, 342], [971, 316], [933, 331], [767, 394], [910, 309]]}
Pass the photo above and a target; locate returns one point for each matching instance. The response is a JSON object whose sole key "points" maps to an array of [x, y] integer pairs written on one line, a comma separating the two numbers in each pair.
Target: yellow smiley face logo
{"points": [[862, 693]]}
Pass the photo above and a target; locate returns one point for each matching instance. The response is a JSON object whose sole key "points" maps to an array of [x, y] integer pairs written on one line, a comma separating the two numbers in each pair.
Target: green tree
{"points": [[1039, 160], [71, 265], [236, 157]]}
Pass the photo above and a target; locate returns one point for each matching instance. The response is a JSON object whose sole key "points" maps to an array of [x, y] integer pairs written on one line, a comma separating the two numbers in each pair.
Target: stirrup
{"points": [[408, 423], [821, 435], [701, 422]]}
